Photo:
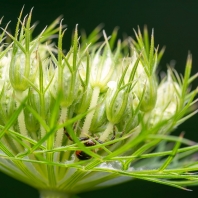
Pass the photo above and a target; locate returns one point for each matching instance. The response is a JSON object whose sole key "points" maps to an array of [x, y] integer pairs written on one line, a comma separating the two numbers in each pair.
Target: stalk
{"points": [[18, 146], [59, 138], [21, 117], [107, 132], [89, 117], [60, 132]]}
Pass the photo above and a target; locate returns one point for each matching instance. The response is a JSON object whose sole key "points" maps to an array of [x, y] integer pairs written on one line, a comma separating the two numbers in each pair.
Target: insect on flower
{"points": [[81, 155]]}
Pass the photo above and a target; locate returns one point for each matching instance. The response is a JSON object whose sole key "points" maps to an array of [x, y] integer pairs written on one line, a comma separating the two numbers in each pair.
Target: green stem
{"points": [[21, 117], [7, 144], [54, 194], [89, 117], [107, 132], [18, 146], [59, 139], [43, 133], [60, 132]]}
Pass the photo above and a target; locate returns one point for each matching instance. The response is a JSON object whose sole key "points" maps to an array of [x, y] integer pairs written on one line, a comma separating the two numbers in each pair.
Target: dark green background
{"points": [[176, 26]]}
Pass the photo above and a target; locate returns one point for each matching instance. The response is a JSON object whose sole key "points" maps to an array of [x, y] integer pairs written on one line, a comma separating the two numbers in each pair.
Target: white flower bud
{"points": [[145, 88], [168, 101], [4, 69], [102, 69]]}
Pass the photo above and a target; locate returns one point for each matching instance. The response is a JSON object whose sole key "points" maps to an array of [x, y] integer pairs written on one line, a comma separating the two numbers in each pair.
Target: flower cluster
{"points": [[75, 121]]}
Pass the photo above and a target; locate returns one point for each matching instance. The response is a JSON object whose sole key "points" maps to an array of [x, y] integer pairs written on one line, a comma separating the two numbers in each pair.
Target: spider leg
{"points": [[114, 133], [83, 138], [112, 138], [122, 134], [99, 141], [67, 134]]}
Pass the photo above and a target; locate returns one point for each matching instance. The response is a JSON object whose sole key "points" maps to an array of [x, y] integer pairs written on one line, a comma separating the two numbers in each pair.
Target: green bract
{"points": [[78, 121]]}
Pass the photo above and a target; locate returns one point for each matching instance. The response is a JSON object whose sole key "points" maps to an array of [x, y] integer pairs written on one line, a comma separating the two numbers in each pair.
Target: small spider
{"points": [[81, 155]]}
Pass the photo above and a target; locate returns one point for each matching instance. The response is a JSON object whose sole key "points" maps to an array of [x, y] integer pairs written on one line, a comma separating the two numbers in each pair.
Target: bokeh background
{"points": [[175, 24]]}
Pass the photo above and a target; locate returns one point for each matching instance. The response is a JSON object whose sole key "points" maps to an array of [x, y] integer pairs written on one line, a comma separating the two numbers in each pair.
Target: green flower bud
{"points": [[84, 101], [41, 104], [31, 122], [116, 102], [7, 102], [99, 120], [129, 120], [22, 69], [67, 81]]}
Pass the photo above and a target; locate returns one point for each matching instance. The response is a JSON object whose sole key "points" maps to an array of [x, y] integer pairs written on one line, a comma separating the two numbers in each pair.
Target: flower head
{"points": [[71, 122]]}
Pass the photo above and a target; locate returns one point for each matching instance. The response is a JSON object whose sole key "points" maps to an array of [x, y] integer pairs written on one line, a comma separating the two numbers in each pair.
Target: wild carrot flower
{"points": [[78, 121]]}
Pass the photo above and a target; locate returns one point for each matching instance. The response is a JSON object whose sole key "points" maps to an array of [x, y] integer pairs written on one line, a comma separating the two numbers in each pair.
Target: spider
{"points": [[81, 155]]}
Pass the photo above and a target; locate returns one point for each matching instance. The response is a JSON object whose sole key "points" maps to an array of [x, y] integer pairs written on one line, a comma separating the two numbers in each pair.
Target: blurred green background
{"points": [[175, 24]]}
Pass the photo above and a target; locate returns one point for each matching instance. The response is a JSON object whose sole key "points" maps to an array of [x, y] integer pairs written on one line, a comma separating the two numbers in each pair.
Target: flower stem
{"points": [[21, 117], [89, 117], [59, 138], [18, 146], [54, 194], [107, 132], [59, 134]]}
